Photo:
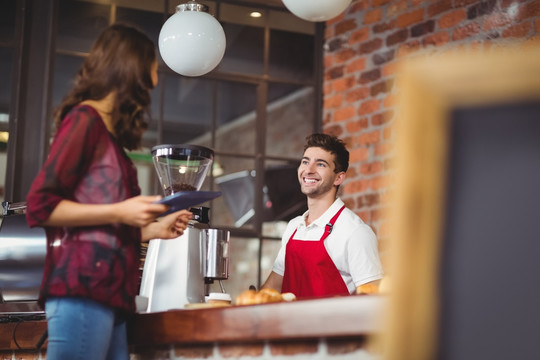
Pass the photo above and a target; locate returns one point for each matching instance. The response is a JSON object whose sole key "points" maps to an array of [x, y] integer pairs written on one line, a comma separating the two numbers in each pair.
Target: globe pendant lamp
{"points": [[192, 42], [316, 10]]}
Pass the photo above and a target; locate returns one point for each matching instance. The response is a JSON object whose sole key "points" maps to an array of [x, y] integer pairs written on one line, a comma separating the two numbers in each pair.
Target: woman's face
{"points": [[154, 73]]}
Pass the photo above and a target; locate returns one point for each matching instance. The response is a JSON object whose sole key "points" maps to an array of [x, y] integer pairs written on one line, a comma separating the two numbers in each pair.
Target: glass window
{"points": [[290, 119], [187, 108], [235, 178], [80, 23], [65, 70], [7, 21], [236, 117], [6, 60], [244, 52], [148, 22], [291, 55]]}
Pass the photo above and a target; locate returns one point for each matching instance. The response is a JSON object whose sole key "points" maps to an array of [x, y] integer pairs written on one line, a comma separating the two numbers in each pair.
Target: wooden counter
{"points": [[328, 317], [238, 330]]}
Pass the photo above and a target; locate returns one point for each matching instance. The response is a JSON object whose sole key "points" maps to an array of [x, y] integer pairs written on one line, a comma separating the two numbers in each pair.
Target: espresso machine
{"points": [[178, 271]]}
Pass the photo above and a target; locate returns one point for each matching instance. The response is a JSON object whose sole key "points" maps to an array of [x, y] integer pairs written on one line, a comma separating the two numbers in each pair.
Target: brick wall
{"points": [[363, 47]]}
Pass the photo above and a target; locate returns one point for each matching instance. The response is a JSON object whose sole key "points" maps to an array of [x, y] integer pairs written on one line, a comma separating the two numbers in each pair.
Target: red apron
{"points": [[309, 270]]}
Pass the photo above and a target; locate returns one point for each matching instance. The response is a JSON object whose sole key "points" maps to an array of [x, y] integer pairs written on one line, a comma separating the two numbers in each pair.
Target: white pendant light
{"points": [[316, 10], [192, 42]]}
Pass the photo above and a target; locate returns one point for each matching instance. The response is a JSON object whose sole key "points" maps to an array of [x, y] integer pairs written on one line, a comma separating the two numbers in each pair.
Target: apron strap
{"points": [[330, 225]]}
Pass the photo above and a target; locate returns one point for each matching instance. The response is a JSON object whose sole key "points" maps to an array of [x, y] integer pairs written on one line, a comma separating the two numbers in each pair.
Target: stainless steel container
{"points": [[217, 254]]}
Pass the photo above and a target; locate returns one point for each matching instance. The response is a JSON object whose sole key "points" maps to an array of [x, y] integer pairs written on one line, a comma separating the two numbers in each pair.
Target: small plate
{"points": [[186, 199]]}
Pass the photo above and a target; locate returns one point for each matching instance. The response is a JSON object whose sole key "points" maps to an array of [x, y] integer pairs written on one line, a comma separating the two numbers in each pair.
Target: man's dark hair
{"points": [[334, 146]]}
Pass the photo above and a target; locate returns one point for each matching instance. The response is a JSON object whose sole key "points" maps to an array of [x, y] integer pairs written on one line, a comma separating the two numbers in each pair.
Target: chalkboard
{"points": [[490, 260]]}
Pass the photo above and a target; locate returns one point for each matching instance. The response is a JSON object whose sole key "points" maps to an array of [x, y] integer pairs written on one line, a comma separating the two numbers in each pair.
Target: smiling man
{"points": [[328, 250]]}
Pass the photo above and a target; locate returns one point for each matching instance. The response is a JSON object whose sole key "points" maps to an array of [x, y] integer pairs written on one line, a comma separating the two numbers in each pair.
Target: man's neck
{"points": [[318, 206]]}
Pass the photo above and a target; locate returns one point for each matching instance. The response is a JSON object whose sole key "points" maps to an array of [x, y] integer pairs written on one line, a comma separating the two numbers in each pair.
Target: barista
{"points": [[328, 250]]}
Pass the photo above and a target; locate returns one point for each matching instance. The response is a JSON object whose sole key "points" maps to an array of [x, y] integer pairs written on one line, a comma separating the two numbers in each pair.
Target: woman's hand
{"points": [[140, 210], [167, 227]]}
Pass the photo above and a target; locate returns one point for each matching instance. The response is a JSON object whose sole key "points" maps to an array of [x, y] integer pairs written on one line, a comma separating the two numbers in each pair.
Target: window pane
{"points": [[148, 22], [290, 119], [283, 199], [244, 52], [270, 249], [65, 70], [6, 61], [80, 23], [236, 117], [187, 108], [235, 178], [7, 20], [291, 55]]}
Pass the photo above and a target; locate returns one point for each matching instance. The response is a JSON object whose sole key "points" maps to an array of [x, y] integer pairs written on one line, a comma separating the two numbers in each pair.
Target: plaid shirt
{"points": [[86, 165]]}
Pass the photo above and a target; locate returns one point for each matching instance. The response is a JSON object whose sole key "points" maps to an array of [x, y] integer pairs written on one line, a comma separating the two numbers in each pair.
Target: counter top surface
{"points": [[336, 317], [327, 317]]}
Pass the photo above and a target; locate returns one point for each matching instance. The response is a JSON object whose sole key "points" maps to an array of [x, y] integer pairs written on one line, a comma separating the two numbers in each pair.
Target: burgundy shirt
{"points": [[88, 166]]}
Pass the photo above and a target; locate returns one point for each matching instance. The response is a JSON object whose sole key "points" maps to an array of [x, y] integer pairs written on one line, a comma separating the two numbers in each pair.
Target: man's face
{"points": [[316, 172]]}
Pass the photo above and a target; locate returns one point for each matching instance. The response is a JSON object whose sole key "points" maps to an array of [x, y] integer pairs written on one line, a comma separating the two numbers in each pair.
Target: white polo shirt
{"points": [[352, 245]]}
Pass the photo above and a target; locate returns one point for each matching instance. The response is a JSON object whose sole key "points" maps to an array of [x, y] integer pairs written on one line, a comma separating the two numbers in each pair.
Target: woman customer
{"points": [[87, 198]]}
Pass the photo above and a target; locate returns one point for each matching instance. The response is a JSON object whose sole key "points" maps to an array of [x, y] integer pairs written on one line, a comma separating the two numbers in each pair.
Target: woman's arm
{"points": [[138, 211], [168, 227]]}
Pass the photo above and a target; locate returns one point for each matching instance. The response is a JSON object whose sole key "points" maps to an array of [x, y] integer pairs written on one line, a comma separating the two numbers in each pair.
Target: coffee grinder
{"points": [[179, 271]]}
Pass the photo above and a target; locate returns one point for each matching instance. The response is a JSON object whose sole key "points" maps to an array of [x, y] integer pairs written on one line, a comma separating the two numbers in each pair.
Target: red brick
{"points": [[462, 3], [396, 7], [294, 348], [345, 55], [481, 8], [358, 93], [383, 57], [452, 19], [408, 48], [369, 76], [371, 168], [389, 101], [373, 16], [369, 107], [465, 31], [529, 10], [397, 37], [356, 65], [356, 126], [364, 215], [410, 18], [370, 46], [331, 102], [423, 28], [357, 186], [387, 133], [358, 155], [359, 35], [380, 182], [518, 30], [376, 3], [334, 73], [383, 27], [343, 84], [436, 39], [382, 118], [382, 149], [328, 60], [372, 137], [345, 26], [537, 25], [335, 129], [358, 6], [327, 88], [381, 87], [496, 20], [344, 113], [241, 350], [439, 7], [389, 69]]}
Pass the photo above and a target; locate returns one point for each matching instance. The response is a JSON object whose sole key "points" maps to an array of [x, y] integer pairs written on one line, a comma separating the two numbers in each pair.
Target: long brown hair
{"points": [[120, 60]]}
